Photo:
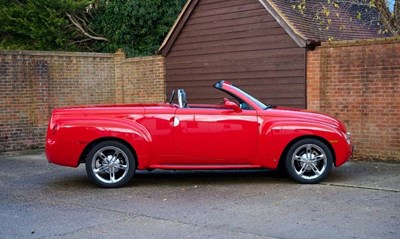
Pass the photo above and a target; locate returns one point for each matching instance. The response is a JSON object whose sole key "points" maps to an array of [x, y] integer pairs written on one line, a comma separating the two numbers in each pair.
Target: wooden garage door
{"points": [[240, 42]]}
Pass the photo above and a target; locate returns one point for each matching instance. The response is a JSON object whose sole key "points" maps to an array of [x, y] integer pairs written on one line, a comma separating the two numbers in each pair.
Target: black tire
{"points": [[309, 161], [110, 164]]}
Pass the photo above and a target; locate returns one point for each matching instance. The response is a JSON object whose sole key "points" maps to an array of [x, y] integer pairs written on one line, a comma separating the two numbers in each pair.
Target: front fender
{"points": [[67, 138], [276, 136]]}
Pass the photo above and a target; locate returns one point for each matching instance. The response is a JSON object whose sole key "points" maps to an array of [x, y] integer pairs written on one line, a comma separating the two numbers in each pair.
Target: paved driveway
{"points": [[40, 200]]}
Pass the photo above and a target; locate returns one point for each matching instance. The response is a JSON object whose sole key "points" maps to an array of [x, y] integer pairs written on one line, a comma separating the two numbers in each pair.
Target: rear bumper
{"points": [[63, 153]]}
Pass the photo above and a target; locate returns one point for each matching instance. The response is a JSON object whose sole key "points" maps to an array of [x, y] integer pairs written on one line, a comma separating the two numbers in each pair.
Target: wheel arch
{"points": [[85, 152], [291, 143]]}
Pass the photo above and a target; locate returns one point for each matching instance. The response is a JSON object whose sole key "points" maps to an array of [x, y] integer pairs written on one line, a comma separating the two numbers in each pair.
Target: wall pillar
{"points": [[314, 76], [119, 58]]}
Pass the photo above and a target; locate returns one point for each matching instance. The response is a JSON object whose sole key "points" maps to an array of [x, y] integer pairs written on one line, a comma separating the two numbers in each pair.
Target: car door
{"points": [[157, 120], [215, 135]]}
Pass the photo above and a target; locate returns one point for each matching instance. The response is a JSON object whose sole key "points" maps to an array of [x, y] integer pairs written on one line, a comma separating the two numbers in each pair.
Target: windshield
{"points": [[257, 102]]}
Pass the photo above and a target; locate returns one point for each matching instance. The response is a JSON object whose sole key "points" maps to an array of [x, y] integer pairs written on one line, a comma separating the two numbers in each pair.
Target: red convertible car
{"points": [[241, 133]]}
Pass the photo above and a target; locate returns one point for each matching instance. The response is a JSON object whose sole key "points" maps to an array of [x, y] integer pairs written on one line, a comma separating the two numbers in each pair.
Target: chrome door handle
{"points": [[175, 121]]}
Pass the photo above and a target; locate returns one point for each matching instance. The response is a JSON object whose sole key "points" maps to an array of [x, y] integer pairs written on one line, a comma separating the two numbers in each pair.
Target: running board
{"points": [[204, 167]]}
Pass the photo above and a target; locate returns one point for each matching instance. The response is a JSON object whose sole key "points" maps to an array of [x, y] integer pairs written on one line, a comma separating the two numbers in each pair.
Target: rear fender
{"points": [[72, 136]]}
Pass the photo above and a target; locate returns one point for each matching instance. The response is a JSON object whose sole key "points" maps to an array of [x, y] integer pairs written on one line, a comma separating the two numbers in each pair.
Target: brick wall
{"points": [[359, 83], [34, 83], [143, 79]]}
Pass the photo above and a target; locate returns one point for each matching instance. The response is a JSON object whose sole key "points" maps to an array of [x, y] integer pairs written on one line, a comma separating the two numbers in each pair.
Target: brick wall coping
{"points": [[361, 42], [58, 53], [143, 58]]}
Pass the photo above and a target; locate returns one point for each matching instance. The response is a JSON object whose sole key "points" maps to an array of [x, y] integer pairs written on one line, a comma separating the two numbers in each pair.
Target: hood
{"points": [[307, 116]]}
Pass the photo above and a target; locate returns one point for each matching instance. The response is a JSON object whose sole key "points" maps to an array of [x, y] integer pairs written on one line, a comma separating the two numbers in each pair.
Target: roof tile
{"points": [[344, 27]]}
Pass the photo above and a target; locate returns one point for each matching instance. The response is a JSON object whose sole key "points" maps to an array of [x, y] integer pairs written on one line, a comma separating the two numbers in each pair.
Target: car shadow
{"points": [[144, 178], [179, 178], [207, 177]]}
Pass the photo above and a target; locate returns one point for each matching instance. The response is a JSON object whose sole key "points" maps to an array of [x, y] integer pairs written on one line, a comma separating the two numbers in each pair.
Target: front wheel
{"points": [[110, 164], [309, 161]]}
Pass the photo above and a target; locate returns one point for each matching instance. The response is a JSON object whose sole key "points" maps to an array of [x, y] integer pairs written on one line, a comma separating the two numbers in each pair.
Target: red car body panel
{"points": [[198, 137]]}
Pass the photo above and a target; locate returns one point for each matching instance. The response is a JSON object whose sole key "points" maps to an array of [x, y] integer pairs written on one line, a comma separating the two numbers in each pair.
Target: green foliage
{"points": [[38, 24], [137, 26]]}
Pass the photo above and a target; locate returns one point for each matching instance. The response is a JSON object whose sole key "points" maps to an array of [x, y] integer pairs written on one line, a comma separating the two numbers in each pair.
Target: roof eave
{"points": [[285, 23], [183, 16]]}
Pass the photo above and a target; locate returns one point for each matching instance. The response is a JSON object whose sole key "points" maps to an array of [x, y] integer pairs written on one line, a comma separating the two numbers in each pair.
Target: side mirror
{"points": [[231, 105]]}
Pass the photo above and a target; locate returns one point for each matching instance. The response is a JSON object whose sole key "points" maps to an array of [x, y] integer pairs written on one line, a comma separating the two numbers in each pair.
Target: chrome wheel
{"points": [[110, 164], [309, 161]]}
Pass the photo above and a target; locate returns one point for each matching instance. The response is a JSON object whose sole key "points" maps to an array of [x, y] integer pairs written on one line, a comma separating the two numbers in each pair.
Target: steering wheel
{"points": [[172, 96]]}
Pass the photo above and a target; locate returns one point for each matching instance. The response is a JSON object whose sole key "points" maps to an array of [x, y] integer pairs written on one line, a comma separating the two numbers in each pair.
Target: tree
{"points": [[137, 26], [40, 24], [385, 13], [390, 19]]}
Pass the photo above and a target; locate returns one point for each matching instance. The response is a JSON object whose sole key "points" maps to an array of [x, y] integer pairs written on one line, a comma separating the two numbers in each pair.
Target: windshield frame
{"points": [[241, 95], [250, 97]]}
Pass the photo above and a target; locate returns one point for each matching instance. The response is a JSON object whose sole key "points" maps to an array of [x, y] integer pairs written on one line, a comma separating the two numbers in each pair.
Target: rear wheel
{"points": [[110, 164], [309, 161]]}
